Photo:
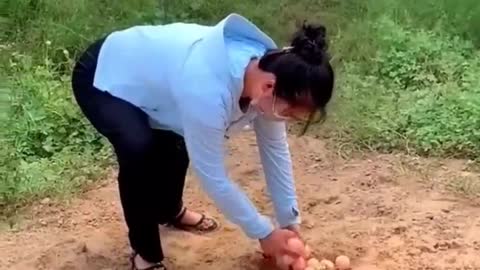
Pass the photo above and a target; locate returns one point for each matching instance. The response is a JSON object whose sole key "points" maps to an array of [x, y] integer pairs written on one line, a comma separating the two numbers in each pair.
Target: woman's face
{"points": [[271, 106], [278, 109]]}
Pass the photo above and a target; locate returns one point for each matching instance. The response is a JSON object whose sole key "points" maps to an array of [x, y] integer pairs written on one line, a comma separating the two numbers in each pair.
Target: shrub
{"points": [[420, 94], [48, 147]]}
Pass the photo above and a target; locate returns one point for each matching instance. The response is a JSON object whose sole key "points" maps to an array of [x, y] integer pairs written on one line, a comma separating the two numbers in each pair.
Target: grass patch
{"points": [[417, 95], [466, 184], [48, 148]]}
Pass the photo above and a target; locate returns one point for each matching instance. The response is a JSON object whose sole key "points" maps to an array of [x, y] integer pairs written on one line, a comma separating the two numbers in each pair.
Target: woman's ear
{"points": [[268, 86]]}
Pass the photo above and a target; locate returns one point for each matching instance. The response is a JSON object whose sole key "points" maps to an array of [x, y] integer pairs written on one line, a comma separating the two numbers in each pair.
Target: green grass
{"points": [[418, 94], [407, 78], [48, 149]]}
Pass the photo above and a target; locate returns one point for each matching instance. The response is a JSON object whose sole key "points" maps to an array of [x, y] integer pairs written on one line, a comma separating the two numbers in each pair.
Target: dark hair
{"points": [[303, 70]]}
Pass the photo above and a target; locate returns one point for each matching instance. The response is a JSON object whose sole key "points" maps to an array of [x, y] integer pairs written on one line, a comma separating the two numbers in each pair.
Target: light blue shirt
{"points": [[188, 78]]}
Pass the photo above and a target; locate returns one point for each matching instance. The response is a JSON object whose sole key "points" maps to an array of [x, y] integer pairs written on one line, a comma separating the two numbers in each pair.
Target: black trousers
{"points": [[152, 163]]}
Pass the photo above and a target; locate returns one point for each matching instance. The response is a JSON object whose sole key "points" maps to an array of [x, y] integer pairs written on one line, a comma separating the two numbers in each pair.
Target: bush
{"points": [[48, 147], [420, 94]]}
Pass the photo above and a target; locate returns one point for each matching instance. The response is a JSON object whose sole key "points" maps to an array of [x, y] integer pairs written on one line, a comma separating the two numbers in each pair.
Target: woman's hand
{"points": [[285, 248], [294, 228], [276, 243], [276, 248]]}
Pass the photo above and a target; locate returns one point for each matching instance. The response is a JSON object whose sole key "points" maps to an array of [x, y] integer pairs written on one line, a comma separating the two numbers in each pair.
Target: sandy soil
{"points": [[380, 210]]}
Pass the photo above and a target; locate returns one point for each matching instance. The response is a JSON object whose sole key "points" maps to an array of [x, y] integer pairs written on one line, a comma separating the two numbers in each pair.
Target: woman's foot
{"points": [[138, 263], [193, 221], [191, 218]]}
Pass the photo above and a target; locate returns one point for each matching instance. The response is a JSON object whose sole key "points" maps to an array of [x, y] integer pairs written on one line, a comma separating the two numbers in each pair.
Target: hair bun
{"points": [[310, 43]]}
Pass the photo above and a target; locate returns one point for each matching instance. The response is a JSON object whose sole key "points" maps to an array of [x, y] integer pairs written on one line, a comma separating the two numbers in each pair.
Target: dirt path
{"points": [[374, 209]]}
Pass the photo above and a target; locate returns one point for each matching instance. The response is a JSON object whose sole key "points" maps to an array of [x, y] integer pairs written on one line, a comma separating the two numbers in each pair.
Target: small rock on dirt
{"points": [[81, 248], [314, 166], [229, 228], [452, 260], [444, 245], [355, 235], [330, 200], [414, 252], [309, 225], [46, 201], [399, 229], [312, 204], [427, 249]]}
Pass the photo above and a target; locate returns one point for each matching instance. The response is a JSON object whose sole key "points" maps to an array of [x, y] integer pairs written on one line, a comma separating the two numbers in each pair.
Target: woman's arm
{"points": [[204, 133], [277, 166]]}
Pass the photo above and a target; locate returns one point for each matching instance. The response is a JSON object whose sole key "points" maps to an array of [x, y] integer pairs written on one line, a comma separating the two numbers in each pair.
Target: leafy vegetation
{"points": [[407, 78], [418, 94]]}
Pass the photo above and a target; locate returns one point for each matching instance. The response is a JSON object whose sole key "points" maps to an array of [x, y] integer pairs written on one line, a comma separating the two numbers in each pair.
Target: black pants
{"points": [[152, 163]]}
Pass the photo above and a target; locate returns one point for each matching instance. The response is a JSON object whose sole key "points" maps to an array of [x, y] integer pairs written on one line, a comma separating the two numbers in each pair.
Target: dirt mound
{"points": [[366, 208]]}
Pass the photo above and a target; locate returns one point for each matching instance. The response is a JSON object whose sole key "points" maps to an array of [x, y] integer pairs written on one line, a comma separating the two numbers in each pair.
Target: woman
{"points": [[168, 95]]}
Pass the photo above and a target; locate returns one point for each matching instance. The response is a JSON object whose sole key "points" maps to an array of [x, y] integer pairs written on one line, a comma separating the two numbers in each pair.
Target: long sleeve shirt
{"points": [[188, 78]]}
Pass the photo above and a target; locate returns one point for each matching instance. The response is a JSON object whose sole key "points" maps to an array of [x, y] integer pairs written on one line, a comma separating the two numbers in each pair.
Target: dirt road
{"points": [[380, 210]]}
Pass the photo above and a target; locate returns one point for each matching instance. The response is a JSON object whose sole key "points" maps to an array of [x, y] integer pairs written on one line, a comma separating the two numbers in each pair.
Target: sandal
{"points": [[205, 224], [157, 266]]}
